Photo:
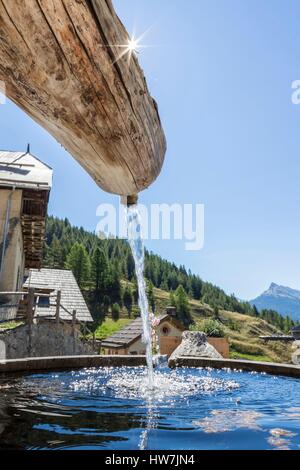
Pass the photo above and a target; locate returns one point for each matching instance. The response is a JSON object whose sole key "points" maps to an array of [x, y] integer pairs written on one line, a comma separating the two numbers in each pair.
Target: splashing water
{"points": [[137, 247], [170, 386]]}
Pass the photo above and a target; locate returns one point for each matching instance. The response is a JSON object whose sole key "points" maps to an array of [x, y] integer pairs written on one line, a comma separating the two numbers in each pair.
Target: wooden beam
{"points": [[57, 310], [60, 63]]}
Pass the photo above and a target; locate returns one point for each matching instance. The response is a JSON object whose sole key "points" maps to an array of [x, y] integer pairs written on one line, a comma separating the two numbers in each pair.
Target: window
{"points": [[43, 302], [33, 207], [165, 330]]}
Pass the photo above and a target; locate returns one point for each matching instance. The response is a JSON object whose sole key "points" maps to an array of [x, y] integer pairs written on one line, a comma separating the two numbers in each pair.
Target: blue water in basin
{"points": [[112, 408]]}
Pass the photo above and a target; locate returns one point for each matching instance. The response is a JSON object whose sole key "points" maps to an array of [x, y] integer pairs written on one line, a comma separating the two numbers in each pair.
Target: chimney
{"points": [[171, 311]]}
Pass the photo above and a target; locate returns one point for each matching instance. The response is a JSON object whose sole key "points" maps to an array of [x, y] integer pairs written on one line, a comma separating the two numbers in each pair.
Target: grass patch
{"points": [[249, 357], [109, 326], [246, 347], [9, 325]]}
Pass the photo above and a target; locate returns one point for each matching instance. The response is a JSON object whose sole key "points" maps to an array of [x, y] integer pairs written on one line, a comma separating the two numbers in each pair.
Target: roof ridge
{"points": [[23, 154]]}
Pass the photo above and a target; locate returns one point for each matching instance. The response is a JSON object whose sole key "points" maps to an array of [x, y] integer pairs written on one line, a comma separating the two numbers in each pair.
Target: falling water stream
{"points": [[137, 247]]}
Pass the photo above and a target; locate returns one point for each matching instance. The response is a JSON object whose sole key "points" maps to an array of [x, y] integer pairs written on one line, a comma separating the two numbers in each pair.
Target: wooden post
{"points": [[30, 307], [73, 328], [84, 331], [74, 319], [58, 300]]}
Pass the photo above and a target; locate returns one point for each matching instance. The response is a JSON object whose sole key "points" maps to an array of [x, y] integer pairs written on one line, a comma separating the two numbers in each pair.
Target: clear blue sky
{"points": [[221, 71]]}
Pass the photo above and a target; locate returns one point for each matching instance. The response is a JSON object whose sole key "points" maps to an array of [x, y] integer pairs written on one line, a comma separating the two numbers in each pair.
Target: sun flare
{"points": [[131, 48], [133, 45]]}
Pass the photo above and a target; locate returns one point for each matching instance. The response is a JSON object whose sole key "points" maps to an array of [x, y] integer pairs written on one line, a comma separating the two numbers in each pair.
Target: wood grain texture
{"points": [[58, 59]]}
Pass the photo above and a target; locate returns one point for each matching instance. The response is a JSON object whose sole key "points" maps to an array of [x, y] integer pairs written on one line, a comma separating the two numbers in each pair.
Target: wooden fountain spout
{"points": [[65, 63]]}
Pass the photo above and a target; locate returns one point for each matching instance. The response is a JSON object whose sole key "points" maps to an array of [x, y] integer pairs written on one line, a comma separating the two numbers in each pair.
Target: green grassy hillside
{"points": [[242, 330], [105, 272]]}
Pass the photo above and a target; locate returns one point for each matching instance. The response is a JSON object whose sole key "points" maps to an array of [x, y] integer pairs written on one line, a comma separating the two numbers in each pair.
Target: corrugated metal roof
{"points": [[71, 296], [24, 170], [131, 333]]}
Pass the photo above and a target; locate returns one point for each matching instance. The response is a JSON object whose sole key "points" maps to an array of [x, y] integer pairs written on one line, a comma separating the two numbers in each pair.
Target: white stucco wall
{"points": [[138, 347], [173, 331]]}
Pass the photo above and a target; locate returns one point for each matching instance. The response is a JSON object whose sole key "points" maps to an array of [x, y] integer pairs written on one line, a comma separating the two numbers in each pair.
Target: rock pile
{"points": [[194, 343]]}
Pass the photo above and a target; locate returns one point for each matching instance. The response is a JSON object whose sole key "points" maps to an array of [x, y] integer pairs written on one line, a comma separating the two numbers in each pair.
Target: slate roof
{"points": [[24, 170], [71, 297], [132, 332]]}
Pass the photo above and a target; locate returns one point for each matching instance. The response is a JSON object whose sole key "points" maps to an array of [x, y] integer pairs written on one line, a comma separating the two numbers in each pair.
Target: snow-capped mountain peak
{"points": [[284, 300]]}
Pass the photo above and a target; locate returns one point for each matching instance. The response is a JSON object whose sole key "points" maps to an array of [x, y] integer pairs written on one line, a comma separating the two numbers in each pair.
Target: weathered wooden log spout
{"points": [[60, 61]]}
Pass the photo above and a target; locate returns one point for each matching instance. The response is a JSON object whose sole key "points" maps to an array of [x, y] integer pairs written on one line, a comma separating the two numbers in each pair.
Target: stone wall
{"points": [[220, 344], [9, 311], [47, 339]]}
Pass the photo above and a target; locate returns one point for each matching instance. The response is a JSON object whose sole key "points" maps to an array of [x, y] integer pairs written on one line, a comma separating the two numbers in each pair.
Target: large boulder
{"points": [[194, 343]]}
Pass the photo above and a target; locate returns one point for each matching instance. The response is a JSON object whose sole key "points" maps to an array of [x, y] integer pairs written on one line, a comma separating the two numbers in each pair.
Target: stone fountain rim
{"points": [[59, 363]]}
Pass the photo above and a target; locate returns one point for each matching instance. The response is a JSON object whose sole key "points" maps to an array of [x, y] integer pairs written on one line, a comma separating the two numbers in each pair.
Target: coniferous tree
{"points": [[172, 299], [128, 300], [100, 271], [115, 311], [79, 262], [106, 304], [151, 298], [135, 291], [182, 306], [54, 255], [61, 236], [286, 325], [115, 288], [255, 311], [130, 267], [216, 312]]}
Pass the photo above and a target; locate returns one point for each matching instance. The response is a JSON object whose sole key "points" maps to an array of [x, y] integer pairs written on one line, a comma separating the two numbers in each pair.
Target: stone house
{"points": [[49, 301], [25, 184], [168, 332], [129, 339]]}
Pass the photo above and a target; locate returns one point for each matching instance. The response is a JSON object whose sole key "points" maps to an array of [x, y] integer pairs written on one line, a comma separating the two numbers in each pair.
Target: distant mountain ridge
{"points": [[284, 300]]}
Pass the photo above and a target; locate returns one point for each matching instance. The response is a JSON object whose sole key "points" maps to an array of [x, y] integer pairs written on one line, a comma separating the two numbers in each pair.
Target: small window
{"points": [[165, 330], [33, 207], [43, 302]]}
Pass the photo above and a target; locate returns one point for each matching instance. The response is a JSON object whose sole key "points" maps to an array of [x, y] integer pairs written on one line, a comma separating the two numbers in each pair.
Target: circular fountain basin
{"points": [[113, 408]]}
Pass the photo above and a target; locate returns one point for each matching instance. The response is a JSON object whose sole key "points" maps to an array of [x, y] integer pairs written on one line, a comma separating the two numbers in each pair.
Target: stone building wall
{"points": [[11, 277], [47, 339]]}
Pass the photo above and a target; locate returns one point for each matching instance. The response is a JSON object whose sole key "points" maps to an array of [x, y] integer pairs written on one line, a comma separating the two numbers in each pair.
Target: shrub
{"points": [[115, 312], [211, 327], [233, 325]]}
